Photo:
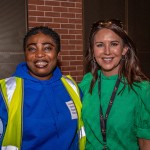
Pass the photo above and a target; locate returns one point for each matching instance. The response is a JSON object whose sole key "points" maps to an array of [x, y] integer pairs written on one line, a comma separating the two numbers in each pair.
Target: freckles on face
{"points": [[41, 56], [108, 50]]}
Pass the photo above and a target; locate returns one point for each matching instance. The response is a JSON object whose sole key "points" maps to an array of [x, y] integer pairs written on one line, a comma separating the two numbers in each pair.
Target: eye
{"points": [[31, 49], [99, 44], [47, 48], [114, 44]]}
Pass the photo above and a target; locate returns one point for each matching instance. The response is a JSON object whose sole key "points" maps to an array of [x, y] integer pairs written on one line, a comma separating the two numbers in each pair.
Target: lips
{"points": [[41, 63]]}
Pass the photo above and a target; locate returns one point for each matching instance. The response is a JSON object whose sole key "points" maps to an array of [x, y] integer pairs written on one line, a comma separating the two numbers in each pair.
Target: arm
{"points": [[144, 144]]}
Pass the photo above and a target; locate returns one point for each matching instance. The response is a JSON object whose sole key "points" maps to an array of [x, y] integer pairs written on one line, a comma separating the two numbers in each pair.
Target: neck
{"points": [[108, 73]]}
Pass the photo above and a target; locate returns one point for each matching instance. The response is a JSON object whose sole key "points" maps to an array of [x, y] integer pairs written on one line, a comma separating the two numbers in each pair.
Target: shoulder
{"points": [[85, 83], [143, 86], [144, 93], [87, 77]]}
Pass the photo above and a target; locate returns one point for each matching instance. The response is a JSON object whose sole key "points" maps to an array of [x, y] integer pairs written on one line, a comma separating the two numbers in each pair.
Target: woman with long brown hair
{"points": [[116, 93]]}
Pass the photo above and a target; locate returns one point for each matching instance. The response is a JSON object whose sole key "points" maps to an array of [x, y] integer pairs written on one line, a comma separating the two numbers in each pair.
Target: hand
{"points": [[144, 144]]}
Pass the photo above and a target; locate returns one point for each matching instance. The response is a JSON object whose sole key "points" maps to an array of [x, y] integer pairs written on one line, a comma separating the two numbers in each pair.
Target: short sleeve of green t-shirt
{"points": [[142, 118], [85, 84]]}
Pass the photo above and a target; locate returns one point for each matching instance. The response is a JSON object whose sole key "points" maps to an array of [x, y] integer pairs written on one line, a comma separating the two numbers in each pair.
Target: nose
{"points": [[39, 53], [107, 50]]}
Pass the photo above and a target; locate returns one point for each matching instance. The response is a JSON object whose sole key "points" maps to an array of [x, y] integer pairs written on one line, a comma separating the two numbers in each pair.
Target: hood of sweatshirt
{"points": [[22, 71]]}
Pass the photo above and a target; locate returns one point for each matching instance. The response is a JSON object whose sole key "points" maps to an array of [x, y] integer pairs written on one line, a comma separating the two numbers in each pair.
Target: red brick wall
{"points": [[65, 17]]}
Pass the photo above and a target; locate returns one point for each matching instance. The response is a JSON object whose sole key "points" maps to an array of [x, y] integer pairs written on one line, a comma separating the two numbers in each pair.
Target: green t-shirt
{"points": [[128, 119]]}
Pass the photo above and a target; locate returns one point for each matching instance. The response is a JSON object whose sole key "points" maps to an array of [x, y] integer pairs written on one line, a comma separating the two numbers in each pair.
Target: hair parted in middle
{"points": [[129, 67]]}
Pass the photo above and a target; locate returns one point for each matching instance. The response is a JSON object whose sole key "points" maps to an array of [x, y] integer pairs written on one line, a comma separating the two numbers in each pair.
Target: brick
{"points": [[79, 78], [64, 52], [65, 73], [35, 13], [64, 63], [60, 20], [75, 1], [68, 47], [46, 19], [79, 16], [52, 14], [64, 41], [53, 25], [75, 31], [76, 21], [79, 58], [63, 31], [79, 26], [75, 41], [52, 3], [75, 10], [75, 72], [80, 67], [67, 4], [76, 62], [68, 26], [78, 5], [79, 46], [31, 7], [44, 8], [70, 68], [75, 52], [79, 36], [32, 19], [68, 15], [69, 58], [34, 24], [68, 36], [36, 2], [60, 9]]}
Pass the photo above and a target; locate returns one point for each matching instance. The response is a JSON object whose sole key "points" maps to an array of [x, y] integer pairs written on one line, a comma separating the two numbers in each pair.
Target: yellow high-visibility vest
{"points": [[73, 90], [12, 92]]}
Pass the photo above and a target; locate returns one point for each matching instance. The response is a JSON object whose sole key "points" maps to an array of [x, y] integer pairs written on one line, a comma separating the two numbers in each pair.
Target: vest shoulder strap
{"points": [[12, 94], [72, 83], [73, 90]]}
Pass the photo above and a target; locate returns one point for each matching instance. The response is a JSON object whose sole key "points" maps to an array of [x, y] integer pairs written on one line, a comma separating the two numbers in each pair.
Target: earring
{"points": [[94, 60], [123, 57]]}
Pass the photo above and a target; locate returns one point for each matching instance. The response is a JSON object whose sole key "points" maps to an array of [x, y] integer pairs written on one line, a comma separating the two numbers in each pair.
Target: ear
{"points": [[125, 49], [58, 54]]}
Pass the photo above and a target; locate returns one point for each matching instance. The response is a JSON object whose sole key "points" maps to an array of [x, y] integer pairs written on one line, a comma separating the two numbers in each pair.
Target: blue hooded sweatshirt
{"points": [[49, 115]]}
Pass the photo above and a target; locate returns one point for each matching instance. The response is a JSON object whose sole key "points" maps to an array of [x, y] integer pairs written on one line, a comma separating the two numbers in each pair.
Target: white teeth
{"points": [[107, 59], [41, 64]]}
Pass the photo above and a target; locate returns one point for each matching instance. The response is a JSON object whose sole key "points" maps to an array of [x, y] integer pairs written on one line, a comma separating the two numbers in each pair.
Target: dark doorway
{"points": [[13, 25]]}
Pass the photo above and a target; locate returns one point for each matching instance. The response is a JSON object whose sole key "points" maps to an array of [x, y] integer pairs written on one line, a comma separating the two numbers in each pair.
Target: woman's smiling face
{"points": [[41, 56], [108, 50]]}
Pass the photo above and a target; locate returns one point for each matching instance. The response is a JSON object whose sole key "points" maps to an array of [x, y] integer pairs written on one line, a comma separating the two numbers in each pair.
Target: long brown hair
{"points": [[129, 67]]}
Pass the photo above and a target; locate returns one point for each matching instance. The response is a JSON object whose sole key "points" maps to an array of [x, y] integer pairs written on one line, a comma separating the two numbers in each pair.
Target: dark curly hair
{"points": [[45, 30]]}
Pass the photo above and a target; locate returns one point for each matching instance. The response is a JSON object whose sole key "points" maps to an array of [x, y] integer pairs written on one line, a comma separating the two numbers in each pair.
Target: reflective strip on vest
{"points": [[9, 148], [10, 87], [72, 84], [81, 132]]}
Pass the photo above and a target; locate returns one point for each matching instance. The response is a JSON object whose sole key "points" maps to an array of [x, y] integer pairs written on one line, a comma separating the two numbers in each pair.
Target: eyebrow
{"points": [[45, 43], [110, 41]]}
